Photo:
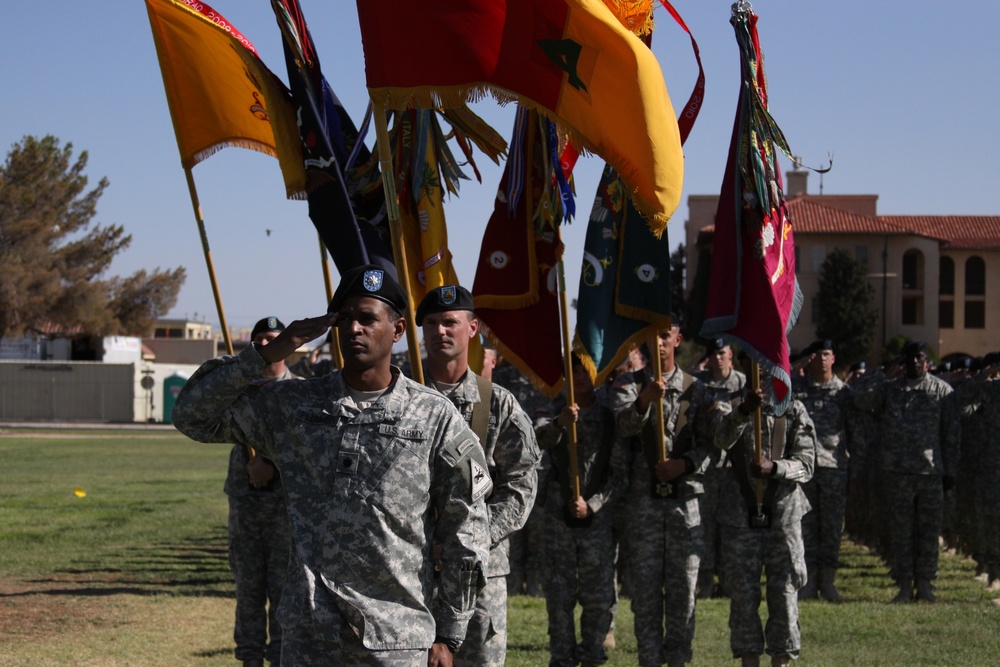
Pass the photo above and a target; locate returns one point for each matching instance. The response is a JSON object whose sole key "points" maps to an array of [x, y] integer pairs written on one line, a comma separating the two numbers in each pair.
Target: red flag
{"points": [[515, 289], [570, 59], [754, 297]]}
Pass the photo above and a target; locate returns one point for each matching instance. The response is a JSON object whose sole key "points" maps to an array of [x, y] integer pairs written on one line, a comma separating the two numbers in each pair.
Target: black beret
{"points": [[271, 323], [860, 366], [369, 280], [820, 345], [443, 299], [914, 348], [715, 344]]}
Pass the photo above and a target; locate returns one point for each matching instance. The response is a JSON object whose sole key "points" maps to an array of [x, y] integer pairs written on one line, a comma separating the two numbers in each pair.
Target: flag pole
{"points": [[758, 436], [396, 227], [338, 359], [654, 353], [196, 205], [574, 469]]}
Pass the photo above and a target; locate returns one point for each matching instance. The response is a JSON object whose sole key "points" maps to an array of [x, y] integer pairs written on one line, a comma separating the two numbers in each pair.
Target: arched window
{"points": [[975, 276], [947, 273]]}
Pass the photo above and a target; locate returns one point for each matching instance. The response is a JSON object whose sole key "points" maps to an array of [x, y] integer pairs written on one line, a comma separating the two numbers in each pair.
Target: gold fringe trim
{"points": [[236, 142], [551, 391], [456, 96]]}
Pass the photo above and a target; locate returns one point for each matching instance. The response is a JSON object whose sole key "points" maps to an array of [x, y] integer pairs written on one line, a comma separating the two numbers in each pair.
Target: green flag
{"points": [[624, 295]]}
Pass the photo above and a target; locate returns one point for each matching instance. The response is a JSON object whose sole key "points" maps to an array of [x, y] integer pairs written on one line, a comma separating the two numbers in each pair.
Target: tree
{"points": [[53, 257], [846, 302]]}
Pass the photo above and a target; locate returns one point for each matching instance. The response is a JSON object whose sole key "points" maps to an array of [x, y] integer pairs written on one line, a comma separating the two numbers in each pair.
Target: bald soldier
{"points": [[376, 470], [508, 439]]}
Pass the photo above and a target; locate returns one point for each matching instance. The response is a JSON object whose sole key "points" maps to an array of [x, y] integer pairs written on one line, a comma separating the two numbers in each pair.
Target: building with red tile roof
{"points": [[936, 277]]}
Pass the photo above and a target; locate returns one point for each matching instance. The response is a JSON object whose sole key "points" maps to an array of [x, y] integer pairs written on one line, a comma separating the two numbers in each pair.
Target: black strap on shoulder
{"points": [[480, 422]]}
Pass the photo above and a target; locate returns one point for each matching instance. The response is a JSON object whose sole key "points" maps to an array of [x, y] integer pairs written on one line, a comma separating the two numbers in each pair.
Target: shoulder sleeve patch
{"points": [[481, 482]]}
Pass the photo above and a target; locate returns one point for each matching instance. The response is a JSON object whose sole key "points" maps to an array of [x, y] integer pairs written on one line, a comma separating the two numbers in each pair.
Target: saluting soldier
{"points": [[259, 534], [376, 468]]}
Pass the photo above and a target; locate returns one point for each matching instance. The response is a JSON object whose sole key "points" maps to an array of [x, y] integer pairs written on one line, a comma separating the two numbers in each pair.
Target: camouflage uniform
{"points": [[366, 488], [705, 393], [829, 407], [979, 400], [580, 562], [920, 443], [777, 547], [665, 539], [527, 545], [259, 544], [512, 455]]}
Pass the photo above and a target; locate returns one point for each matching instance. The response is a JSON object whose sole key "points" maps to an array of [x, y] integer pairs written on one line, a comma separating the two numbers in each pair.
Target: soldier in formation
{"points": [[761, 514], [508, 439], [259, 535], [663, 527], [719, 381], [588, 475], [917, 461], [827, 399]]}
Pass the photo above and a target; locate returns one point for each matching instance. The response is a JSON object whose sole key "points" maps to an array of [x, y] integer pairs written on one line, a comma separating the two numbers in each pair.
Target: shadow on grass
{"points": [[197, 567]]}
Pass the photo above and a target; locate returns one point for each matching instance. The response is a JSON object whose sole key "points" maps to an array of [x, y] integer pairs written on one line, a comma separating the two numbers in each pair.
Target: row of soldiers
{"points": [[660, 472], [887, 442]]}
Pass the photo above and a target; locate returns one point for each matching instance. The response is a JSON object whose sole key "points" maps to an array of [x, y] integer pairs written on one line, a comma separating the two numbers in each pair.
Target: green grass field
{"points": [[135, 572]]}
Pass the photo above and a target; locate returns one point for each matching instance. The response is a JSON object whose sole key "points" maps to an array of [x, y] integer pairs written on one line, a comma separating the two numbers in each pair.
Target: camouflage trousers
{"points": [[914, 505], [527, 553], [778, 551], [665, 545], [486, 640], [259, 545], [581, 570], [708, 508], [823, 527], [313, 646]]}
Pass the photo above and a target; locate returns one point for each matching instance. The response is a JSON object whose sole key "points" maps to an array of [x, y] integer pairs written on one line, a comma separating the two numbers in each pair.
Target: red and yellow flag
{"points": [[219, 92], [570, 59]]}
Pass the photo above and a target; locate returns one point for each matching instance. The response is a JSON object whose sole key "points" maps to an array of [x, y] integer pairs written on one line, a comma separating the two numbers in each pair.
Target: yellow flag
{"points": [[220, 93]]}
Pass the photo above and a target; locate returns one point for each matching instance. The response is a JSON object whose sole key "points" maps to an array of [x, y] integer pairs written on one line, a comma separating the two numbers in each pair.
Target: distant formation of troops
{"points": [[666, 487]]}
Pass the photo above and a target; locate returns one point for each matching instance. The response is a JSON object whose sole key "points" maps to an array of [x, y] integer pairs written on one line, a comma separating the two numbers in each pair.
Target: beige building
{"points": [[936, 278]]}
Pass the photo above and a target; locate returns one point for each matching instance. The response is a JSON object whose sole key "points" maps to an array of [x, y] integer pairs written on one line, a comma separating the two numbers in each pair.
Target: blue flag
{"points": [[624, 296], [345, 202]]}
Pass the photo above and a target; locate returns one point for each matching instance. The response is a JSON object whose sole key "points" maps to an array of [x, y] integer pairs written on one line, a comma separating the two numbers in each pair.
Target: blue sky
{"points": [[903, 94]]}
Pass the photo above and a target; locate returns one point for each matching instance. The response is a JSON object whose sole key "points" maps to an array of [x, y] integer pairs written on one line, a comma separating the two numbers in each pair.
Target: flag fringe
{"points": [[630, 343], [434, 97], [236, 142], [515, 360]]}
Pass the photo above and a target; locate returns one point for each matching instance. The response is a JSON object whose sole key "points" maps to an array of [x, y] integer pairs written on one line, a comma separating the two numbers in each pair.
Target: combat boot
{"points": [[993, 579], [826, 587], [809, 591], [749, 660], [254, 662], [925, 591], [781, 660], [905, 593]]}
